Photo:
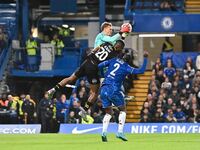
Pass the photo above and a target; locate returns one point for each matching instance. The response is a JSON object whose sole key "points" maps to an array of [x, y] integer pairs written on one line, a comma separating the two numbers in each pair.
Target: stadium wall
{"points": [[134, 128], [154, 46], [20, 129]]}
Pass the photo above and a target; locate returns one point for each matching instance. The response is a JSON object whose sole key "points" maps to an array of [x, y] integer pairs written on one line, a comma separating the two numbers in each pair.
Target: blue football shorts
{"points": [[109, 95]]}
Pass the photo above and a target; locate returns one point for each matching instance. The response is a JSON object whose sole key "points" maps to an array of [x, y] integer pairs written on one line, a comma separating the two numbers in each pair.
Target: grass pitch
{"points": [[93, 142]]}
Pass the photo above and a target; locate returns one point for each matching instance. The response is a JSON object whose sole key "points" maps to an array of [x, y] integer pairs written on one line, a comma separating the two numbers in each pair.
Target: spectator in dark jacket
{"points": [[28, 108], [45, 114], [72, 118]]}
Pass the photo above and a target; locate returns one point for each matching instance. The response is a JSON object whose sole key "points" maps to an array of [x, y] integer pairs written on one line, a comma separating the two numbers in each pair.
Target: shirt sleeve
{"points": [[140, 70], [104, 64], [111, 39]]}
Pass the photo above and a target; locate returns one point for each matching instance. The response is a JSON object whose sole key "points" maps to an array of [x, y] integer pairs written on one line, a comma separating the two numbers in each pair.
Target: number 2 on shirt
{"points": [[116, 65]]}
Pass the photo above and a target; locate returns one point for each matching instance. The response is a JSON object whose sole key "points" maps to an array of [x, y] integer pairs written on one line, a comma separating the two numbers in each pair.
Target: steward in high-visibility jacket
{"points": [[31, 47], [20, 112], [167, 45], [14, 109], [58, 45], [13, 103], [64, 32], [90, 120]]}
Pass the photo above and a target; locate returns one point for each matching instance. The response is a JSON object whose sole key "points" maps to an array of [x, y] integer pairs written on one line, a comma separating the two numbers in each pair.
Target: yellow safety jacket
{"points": [[89, 118], [31, 47], [14, 105], [58, 44], [54, 112], [168, 47], [20, 107], [64, 32]]}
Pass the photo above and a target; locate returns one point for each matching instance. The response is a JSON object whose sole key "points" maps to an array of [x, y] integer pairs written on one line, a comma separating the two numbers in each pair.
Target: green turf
{"points": [[93, 142]]}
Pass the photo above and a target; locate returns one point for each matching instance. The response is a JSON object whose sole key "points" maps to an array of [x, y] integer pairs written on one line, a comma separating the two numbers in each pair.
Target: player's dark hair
{"points": [[120, 43], [126, 57]]}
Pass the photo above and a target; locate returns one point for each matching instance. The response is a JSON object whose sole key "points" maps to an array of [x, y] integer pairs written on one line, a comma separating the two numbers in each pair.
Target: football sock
{"points": [[106, 121], [122, 118], [58, 87]]}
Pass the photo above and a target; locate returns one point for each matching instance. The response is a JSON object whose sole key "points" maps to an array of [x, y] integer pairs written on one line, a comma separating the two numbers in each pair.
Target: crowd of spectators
{"points": [[174, 94], [168, 5], [50, 112]]}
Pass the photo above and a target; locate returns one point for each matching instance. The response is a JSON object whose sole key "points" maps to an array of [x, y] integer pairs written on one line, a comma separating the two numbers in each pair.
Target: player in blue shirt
{"points": [[111, 92], [106, 32]]}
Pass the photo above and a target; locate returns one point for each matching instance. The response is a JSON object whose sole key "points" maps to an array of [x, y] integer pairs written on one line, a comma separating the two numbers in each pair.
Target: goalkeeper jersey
{"points": [[102, 38]]}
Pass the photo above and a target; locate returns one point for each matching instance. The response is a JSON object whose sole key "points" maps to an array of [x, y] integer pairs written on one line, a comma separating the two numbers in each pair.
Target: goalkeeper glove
{"points": [[126, 27], [123, 35]]}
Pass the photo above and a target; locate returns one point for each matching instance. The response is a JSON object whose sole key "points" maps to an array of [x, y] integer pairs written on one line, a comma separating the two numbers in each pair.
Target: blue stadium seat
{"points": [[153, 6], [69, 61]]}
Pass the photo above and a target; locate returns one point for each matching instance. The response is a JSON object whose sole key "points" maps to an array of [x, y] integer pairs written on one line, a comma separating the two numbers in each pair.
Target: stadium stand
{"points": [[175, 100], [139, 91], [192, 6], [8, 25]]}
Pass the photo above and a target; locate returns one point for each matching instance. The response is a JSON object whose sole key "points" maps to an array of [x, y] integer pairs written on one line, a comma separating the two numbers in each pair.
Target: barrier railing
{"points": [[4, 60]]}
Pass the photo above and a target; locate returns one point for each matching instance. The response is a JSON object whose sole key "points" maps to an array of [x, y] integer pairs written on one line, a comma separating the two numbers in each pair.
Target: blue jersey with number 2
{"points": [[114, 77], [118, 70]]}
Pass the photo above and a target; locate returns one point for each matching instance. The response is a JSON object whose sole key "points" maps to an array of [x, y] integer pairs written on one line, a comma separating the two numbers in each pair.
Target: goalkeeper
{"points": [[106, 34]]}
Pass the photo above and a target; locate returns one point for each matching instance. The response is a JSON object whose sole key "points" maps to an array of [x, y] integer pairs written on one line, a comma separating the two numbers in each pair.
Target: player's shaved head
{"points": [[119, 45]]}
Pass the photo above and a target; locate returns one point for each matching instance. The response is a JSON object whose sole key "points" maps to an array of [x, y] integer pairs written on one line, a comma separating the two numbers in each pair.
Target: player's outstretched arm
{"points": [[111, 39], [140, 70], [125, 29]]}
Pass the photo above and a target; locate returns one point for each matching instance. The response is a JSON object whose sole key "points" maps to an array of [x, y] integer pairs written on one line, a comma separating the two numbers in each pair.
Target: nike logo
{"points": [[75, 131]]}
